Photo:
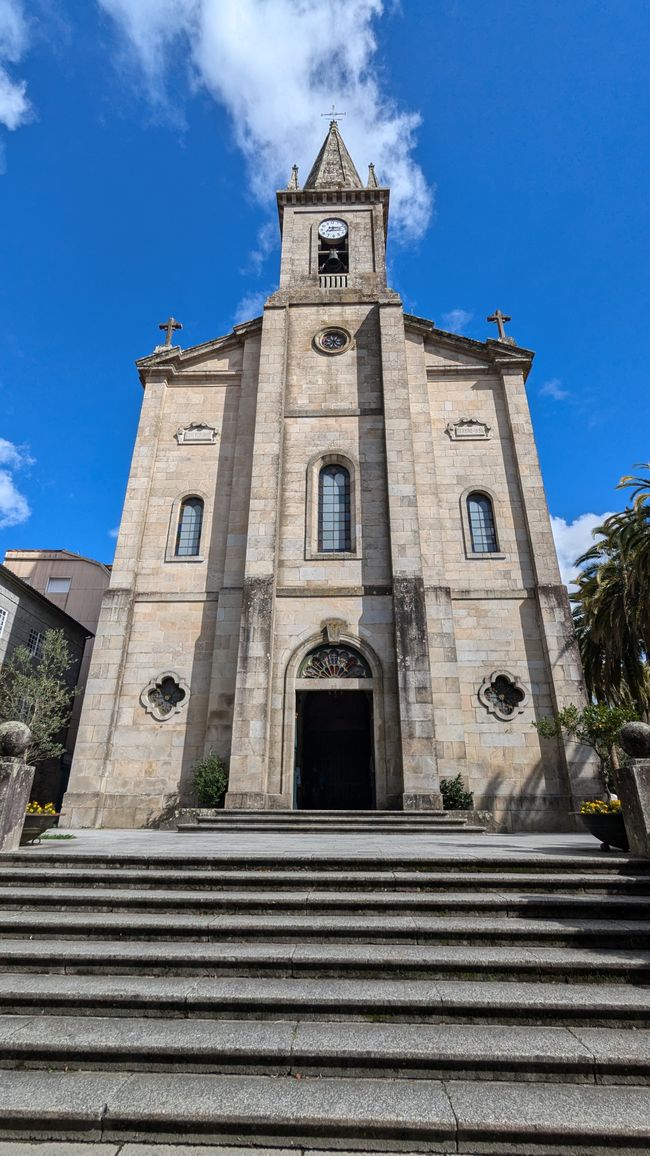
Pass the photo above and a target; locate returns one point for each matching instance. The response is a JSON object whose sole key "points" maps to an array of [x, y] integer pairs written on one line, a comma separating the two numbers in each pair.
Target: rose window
{"points": [[503, 695], [333, 340]]}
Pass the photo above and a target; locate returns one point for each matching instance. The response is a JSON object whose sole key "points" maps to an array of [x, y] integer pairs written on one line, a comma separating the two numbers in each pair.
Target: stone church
{"points": [[335, 565]]}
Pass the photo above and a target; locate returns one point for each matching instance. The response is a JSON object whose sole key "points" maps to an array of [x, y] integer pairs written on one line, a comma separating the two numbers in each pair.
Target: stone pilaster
{"points": [[224, 660], [252, 706], [421, 788], [564, 667], [91, 766]]}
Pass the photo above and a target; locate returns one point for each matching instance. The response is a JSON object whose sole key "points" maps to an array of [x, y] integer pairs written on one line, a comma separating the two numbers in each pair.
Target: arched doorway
{"points": [[334, 767]]}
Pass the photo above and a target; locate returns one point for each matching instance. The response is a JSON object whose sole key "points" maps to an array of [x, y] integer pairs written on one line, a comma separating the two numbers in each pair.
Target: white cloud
{"points": [[572, 539], [114, 532], [276, 65], [456, 320], [553, 389], [14, 507], [250, 306], [14, 105]]}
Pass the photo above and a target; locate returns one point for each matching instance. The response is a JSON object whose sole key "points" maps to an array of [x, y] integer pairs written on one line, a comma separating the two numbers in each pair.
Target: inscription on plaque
{"points": [[468, 429], [197, 434]]}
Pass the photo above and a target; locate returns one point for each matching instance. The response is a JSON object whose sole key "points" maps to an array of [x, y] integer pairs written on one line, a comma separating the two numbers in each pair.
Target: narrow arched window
{"points": [[334, 529], [188, 536], [481, 524]]}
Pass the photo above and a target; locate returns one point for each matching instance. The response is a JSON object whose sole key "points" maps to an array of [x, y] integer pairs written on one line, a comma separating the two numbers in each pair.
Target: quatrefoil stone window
{"points": [[503, 695], [165, 695]]}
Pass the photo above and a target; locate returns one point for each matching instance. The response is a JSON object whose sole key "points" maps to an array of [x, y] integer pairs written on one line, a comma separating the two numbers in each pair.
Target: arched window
{"points": [[481, 524], [188, 537], [334, 529]]}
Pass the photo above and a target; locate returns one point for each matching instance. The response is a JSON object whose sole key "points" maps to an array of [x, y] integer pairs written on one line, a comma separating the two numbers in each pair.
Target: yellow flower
{"points": [[601, 807]]}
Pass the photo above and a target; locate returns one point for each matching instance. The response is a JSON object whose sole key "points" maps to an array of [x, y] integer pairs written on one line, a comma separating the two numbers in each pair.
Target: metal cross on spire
{"points": [[500, 318], [170, 325], [333, 114]]}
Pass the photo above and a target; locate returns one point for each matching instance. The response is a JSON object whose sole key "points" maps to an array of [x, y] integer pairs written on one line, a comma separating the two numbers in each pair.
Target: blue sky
{"points": [[141, 141]]}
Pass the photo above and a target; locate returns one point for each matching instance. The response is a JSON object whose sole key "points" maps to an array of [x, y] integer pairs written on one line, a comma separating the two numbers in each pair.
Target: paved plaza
{"points": [[287, 845]]}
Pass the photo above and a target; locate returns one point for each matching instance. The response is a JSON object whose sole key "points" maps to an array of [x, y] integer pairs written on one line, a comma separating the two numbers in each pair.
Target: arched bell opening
{"points": [[334, 733]]}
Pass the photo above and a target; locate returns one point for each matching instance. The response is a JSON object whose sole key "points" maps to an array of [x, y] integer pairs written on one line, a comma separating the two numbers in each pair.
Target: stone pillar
{"points": [[421, 787], [16, 779], [633, 787], [251, 713]]}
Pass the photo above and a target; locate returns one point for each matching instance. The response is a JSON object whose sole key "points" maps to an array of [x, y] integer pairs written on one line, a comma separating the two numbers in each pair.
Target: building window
{"points": [[35, 643], [3, 619], [334, 519], [188, 537], [482, 527], [57, 585]]}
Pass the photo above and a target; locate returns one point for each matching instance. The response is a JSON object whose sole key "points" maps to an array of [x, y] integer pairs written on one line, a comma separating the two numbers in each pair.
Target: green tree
{"points": [[612, 603], [596, 726], [35, 690]]}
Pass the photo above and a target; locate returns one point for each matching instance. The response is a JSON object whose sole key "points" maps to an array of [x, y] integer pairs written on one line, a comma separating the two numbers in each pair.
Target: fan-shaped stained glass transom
{"points": [[334, 662]]}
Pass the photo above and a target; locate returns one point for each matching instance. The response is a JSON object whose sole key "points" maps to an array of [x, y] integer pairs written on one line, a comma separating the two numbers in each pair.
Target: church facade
{"points": [[335, 565]]}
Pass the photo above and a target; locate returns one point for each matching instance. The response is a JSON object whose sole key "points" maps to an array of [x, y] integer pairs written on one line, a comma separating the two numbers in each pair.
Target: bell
{"points": [[333, 263]]}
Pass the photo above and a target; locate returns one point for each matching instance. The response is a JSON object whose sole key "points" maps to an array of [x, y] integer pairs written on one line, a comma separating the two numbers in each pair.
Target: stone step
{"points": [[431, 827], [119, 957], [394, 882], [238, 997], [287, 1047], [320, 902], [606, 866], [369, 929], [363, 1113]]}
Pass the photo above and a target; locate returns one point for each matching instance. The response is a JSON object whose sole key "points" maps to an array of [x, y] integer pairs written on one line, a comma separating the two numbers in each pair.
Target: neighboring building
{"points": [[335, 565], [76, 585], [25, 617]]}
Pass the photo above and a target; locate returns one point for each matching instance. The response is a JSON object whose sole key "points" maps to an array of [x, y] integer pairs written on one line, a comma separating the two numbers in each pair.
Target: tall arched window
{"points": [[334, 528], [481, 524], [190, 521]]}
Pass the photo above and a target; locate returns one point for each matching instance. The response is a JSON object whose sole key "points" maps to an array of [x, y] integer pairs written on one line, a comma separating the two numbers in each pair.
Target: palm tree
{"points": [[612, 603]]}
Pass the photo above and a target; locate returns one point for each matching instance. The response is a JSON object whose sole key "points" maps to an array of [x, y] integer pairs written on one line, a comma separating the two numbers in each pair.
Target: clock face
{"points": [[333, 229]]}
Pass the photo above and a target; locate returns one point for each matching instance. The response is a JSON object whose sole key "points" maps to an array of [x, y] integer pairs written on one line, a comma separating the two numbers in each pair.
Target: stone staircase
{"points": [[332, 822], [481, 1004]]}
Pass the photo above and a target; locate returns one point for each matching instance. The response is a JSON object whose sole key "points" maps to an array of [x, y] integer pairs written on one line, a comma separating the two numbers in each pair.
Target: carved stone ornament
{"points": [[196, 434], [503, 695], [165, 695], [333, 628], [468, 429], [335, 662]]}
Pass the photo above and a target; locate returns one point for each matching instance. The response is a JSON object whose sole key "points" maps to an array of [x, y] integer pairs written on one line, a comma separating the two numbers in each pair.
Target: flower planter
{"points": [[34, 826], [609, 828]]}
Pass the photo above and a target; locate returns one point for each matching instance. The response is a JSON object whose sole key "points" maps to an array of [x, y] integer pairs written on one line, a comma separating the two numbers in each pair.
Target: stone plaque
{"points": [[196, 434], [468, 429]]}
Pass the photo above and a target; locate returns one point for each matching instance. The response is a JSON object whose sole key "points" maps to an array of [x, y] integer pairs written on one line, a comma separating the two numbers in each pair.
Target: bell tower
{"points": [[333, 228]]}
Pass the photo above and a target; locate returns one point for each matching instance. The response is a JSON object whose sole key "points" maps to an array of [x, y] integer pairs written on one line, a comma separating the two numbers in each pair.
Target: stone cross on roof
{"points": [[499, 319], [170, 325]]}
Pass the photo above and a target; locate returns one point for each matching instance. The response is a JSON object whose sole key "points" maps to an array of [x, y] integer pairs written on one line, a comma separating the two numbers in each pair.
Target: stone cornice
{"points": [[167, 363], [500, 354], [330, 198]]}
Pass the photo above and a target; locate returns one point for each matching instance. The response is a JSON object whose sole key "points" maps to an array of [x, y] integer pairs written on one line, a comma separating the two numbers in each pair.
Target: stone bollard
{"points": [[16, 779], [633, 786]]}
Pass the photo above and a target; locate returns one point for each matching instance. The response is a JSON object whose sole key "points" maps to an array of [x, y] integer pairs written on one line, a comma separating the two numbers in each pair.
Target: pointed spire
{"points": [[333, 167], [293, 183], [373, 183]]}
